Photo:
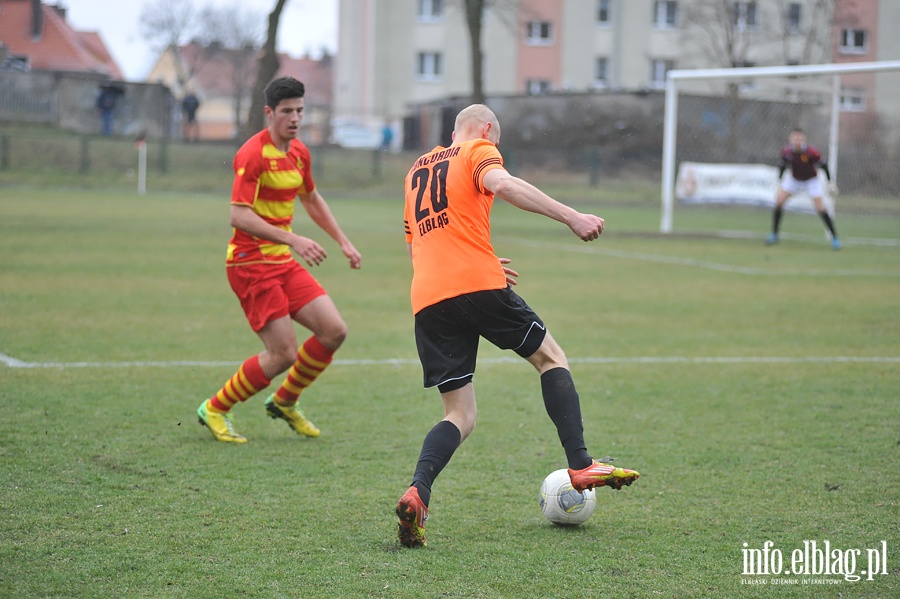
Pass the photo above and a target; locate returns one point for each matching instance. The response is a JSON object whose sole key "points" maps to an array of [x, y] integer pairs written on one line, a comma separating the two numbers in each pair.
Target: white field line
{"points": [[11, 362], [744, 270], [847, 241]]}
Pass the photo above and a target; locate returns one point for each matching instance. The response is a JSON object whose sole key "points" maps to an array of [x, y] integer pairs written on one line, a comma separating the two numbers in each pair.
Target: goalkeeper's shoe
{"points": [[292, 416], [772, 239], [600, 474], [835, 243], [412, 513], [219, 425]]}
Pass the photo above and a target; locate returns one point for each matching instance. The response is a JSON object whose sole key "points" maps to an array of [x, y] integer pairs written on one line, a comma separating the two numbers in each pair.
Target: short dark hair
{"points": [[283, 88], [798, 130]]}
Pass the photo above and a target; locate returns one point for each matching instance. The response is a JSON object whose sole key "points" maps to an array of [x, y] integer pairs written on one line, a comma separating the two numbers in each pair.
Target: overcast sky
{"points": [[306, 26]]}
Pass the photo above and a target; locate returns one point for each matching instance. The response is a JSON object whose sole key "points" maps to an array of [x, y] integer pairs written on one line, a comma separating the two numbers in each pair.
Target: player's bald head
{"points": [[471, 121]]}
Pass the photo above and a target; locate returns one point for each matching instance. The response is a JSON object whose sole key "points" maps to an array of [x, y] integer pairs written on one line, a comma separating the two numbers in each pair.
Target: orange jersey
{"points": [[268, 180], [448, 223]]}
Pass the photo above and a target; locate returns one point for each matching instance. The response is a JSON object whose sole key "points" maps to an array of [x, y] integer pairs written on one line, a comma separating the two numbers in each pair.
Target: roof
{"points": [[316, 75], [59, 47], [212, 72]]}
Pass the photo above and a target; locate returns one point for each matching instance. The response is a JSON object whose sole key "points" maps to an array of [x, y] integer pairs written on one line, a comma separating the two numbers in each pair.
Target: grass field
{"points": [[756, 389]]}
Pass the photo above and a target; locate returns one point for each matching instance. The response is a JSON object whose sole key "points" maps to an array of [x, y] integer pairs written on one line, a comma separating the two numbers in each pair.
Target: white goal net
{"points": [[725, 128]]}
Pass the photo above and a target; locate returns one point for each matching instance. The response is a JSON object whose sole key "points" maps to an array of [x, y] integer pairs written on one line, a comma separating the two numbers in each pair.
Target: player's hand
{"points": [[833, 190], [311, 252], [587, 227], [352, 254], [510, 273]]}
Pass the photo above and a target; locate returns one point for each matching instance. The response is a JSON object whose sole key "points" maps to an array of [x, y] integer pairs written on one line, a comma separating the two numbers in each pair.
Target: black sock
{"points": [[829, 224], [776, 219], [564, 409], [440, 443]]}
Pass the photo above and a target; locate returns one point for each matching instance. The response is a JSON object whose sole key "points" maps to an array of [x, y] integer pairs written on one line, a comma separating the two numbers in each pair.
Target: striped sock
{"points": [[246, 382], [312, 359]]}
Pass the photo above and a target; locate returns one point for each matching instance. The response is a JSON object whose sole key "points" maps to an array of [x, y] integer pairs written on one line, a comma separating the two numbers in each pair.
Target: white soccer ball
{"points": [[562, 504]]}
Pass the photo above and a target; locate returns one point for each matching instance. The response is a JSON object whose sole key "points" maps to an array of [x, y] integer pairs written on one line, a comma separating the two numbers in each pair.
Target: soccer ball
{"points": [[563, 505]]}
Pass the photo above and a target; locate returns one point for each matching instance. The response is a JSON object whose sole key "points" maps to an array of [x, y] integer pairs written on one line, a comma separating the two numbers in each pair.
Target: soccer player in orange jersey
{"points": [[461, 291], [270, 171]]}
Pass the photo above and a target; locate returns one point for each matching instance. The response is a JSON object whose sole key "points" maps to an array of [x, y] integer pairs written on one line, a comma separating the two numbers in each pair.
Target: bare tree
{"points": [[731, 33], [474, 22], [805, 38], [168, 24], [475, 12], [233, 36], [726, 29], [268, 67], [725, 36]]}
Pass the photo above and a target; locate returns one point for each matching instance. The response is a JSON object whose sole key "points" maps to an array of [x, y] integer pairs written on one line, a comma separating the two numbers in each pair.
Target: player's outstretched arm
{"points": [[320, 214], [525, 196]]}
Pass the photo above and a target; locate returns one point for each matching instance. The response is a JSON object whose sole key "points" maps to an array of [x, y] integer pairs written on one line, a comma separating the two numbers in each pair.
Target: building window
{"points": [[15, 62], [744, 16], [854, 41], [601, 70], [430, 10], [604, 13], [853, 100], [664, 14], [429, 66], [658, 70], [538, 33], [536, 87], [794, 17]]}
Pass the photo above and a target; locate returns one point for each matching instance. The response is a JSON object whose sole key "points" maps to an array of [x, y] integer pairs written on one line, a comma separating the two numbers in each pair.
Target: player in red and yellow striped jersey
{"points": [[271, 170], [461, 291]]}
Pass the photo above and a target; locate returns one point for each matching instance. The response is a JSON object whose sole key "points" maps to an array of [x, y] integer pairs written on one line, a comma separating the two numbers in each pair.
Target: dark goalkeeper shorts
{"points": [[447, 333]]}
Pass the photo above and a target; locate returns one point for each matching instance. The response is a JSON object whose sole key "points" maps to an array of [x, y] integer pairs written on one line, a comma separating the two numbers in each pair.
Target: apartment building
{"points": [[396, 53], [865, 31]]}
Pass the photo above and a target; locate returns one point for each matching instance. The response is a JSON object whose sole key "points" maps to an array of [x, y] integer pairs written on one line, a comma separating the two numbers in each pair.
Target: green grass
{"points": [[109, 488]]}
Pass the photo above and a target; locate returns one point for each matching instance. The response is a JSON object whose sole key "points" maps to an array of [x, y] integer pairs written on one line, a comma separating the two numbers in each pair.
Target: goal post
{"points": [[740, 74]]}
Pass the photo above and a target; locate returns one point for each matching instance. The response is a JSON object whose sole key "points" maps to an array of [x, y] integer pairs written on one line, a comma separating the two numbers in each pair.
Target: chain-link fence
{"points": [[750, 125], [52, 157]]}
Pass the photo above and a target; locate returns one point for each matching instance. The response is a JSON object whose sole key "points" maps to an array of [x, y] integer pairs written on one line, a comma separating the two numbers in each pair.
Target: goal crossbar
{"points": [[671, 109]]}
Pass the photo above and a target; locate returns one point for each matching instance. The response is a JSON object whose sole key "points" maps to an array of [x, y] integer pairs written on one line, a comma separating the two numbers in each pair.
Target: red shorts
{"points": [[270, 291]]}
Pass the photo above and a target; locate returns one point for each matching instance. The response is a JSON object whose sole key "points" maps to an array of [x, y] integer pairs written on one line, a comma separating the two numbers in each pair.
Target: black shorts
{"points": [[447, 333]]}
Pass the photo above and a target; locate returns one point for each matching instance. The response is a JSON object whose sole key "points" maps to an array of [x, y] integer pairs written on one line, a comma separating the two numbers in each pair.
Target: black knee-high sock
{"points": [[564, 409], [829, 224], [440, 443], [776, 219]]}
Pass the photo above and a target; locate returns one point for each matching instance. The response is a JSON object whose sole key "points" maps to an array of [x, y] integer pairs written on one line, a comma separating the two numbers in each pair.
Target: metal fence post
{"points": [[163, 156], [318, 158], [4, 152], [594, 167], [376, 164], [85, 166]]}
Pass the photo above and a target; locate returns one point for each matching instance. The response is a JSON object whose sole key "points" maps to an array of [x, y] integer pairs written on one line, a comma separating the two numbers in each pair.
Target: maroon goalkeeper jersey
{"points": [[802, 162]]}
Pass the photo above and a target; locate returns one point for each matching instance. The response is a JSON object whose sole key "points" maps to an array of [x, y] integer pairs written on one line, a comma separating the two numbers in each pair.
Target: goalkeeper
{"points": [[803, 160]]}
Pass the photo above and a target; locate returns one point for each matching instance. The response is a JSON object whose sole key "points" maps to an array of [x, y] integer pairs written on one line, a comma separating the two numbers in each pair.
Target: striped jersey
{"points": [[447, 218], [268, 181]]}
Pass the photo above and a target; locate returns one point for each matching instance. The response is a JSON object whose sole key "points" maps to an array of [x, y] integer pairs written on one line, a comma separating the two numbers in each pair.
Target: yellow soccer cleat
{"points": [[292, 416], [599, 474], [412, 514], [219, 425]]}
